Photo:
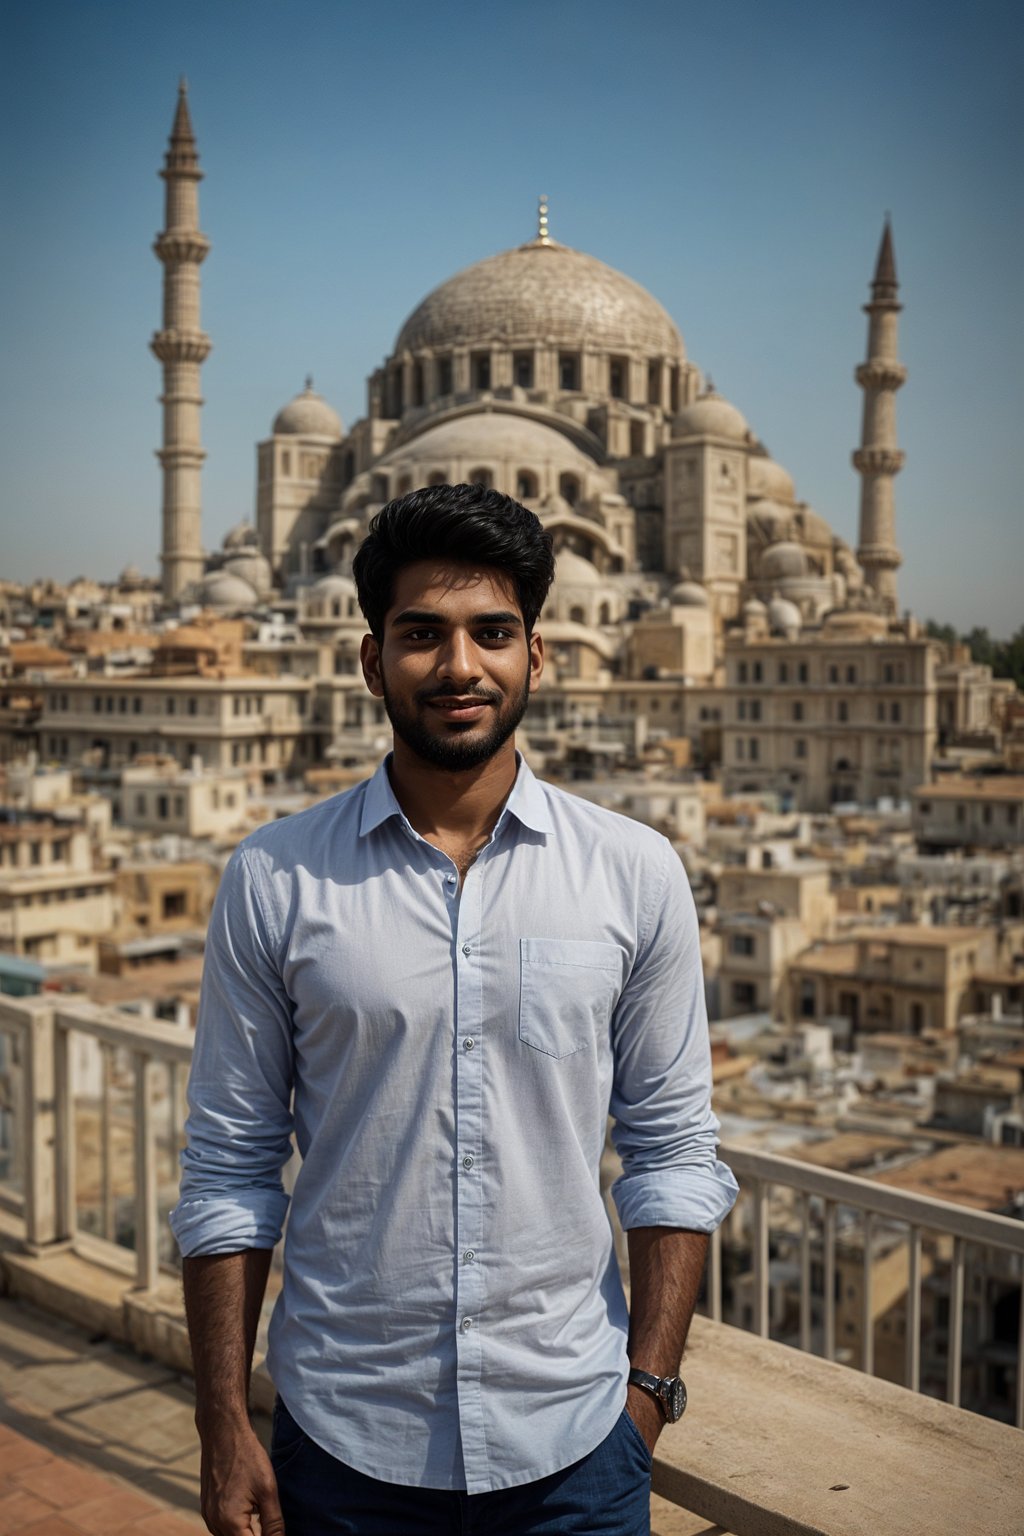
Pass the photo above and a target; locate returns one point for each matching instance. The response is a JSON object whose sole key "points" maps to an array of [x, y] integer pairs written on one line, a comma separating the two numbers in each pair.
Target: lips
{"points": [[459, 709]]}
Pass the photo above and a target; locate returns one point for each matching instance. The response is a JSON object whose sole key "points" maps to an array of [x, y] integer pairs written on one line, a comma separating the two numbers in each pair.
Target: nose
{"points": [[458, 661]]}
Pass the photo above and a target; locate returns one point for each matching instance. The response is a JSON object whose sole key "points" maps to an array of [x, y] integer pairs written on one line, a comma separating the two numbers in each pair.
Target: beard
{"points": [[458, 746]]}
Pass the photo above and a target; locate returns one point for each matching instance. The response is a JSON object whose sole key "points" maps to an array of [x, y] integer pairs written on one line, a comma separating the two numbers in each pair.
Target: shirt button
{"points": [[467, 1323], [468, 1043], [467, 949], [469, 1255], [467, 1161]]}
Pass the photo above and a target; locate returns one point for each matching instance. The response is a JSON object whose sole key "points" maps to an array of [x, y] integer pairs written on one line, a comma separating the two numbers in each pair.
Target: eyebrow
{"points": [[424, 616]]}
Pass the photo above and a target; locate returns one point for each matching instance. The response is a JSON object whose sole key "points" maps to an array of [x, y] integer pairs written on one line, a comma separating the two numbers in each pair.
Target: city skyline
{"points": [[757, 230]]}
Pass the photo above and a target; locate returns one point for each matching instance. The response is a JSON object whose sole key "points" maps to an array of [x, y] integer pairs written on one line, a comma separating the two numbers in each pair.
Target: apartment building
{"points": [[54, 905], [844, 713], [982, 812]]}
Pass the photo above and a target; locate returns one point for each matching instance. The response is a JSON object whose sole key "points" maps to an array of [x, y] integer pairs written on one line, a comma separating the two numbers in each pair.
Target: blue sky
{"points": [[737, 159]]}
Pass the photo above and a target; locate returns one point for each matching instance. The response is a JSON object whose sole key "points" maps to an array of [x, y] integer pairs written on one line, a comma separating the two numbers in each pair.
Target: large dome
{"points": [[543, 292], [308, 415]]}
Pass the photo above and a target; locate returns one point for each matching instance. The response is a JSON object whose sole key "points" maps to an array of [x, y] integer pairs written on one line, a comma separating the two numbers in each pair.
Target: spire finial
{"points": [[183, 86], [542, 220], [309, 382]]}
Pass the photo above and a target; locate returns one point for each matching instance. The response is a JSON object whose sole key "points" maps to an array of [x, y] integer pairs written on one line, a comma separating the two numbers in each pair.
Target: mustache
{"points": [[485, 695]]}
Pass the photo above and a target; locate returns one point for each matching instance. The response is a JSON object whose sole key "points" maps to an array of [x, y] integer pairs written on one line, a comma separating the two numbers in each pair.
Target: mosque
{"points": [[548, 375]]}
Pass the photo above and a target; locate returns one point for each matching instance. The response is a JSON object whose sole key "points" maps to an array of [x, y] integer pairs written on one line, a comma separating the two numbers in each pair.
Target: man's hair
{"points": [[466, 523]]}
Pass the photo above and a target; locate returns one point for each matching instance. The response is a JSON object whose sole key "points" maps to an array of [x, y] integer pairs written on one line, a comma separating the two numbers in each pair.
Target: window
{"points": [[140, 805], [526, 485], [986, 815], [481, 370], [136, 706], [568, 370], [741, 749], [741, 672], [800, 746], [887, 672], [755, 709], [744, 994], [522, 369], [833, 674], [755, 749], [741, 709], [286, 463], [895, 713], [880, 711], [482, 477], [122, 705], [807, 999], [851, 674], [97, 705], [741, 943], [801, 672], [173, 904], [783, 672], [444, 376], [798, 709], [842, 710], [758, 672], [417, 383], [653, 383], [569, 489], [926, 807], [618, 378], [193, 707], [637, 439], [162, 807], [169, 704]]}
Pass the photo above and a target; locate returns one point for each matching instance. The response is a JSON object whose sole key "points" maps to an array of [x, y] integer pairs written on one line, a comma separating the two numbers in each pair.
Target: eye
{"points": [[494, 634], [418, 636]]}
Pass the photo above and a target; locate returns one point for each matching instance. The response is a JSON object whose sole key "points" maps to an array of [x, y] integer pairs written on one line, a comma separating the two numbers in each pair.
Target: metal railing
{"points": [[821, 1194], [85, 1147]]}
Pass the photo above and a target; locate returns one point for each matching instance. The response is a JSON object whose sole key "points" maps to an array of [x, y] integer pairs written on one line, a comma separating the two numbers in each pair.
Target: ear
{"points": [[369, 660], [536, 660]]}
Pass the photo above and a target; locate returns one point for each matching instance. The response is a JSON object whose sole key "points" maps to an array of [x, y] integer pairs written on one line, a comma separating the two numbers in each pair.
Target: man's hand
{"points": [[237, 1483], [646, 1415]]}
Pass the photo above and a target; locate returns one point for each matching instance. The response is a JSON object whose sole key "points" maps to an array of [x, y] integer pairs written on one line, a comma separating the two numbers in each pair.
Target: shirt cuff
{"points": [[696, 1199], [252, 1218]]}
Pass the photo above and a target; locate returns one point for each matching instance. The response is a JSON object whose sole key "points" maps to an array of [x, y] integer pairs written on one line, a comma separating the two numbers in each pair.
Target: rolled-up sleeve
{"points": [[664, 1129], [238, 1131]]}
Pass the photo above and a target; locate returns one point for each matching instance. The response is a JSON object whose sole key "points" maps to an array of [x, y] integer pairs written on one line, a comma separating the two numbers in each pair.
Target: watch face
{"points": [[676, 1400]]}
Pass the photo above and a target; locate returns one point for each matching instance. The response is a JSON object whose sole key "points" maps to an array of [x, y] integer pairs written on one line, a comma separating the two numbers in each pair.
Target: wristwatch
{"points": [[669, 1392]]}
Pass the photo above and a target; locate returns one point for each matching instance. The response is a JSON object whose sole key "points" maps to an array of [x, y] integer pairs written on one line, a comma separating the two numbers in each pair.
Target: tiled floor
{"points": [[92, 1439]]}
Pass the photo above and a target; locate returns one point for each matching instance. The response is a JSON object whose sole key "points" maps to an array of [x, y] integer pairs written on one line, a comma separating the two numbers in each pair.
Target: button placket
{"points": [[469, 1298]]}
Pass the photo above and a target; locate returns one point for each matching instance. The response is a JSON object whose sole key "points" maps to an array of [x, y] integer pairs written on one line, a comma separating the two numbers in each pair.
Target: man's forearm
{"points": [[223, 1297], [665, 1269]]}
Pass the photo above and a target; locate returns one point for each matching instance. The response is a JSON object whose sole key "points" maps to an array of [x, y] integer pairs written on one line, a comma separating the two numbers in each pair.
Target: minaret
{"points": [[878, 459], [182, 348]]}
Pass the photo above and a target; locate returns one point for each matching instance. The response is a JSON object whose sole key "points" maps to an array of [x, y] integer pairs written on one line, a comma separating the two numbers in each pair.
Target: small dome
{"points": [[251, 567], [131, 576], [689, 594], [308, 415], [241, 536], [333, 586], [783, 561], [221, 589], [856, 621], [711, 416], [753, 608], [769, 513], [766, 478], [784, 617], [572, 570]]}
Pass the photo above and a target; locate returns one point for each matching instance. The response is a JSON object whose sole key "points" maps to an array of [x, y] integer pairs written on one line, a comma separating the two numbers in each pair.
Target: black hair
{"points": [[467, 523]]}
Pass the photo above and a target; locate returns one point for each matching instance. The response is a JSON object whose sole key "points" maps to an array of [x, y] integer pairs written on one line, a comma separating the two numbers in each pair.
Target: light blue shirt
{"points": [[451, 1314]]}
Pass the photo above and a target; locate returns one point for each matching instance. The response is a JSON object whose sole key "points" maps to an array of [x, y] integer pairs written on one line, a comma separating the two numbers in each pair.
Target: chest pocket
{"points": [[567, 990]]}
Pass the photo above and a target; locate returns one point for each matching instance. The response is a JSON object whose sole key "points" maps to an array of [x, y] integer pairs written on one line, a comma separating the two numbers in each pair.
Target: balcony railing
{"points": [[91, 1116]]}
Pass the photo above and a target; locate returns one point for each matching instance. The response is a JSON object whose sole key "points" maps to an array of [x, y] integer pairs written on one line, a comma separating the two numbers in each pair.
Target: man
{"points": [[444, 979]]}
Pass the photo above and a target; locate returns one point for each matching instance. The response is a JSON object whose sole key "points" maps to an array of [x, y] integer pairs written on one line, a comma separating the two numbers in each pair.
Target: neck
{"points": [[459, 806]]}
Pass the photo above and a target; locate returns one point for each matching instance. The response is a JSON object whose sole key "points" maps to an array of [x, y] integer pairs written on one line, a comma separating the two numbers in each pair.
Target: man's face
{"points": [[455, 668]]}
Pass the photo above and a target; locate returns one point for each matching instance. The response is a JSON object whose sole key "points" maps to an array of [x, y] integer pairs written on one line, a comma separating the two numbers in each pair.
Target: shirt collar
{"points": [[527, 801]]}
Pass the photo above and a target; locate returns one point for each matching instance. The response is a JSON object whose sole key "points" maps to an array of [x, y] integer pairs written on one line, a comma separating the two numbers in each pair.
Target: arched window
{"points": [[605, 613], [348, 468], [577, 615], [526, 485], [569, 489], [438, 478], [481, 477], [417, 383], [404, 485]]}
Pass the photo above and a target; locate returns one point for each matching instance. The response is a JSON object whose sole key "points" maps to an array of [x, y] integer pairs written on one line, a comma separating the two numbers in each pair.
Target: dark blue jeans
{"points": [[608, 1493]]}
